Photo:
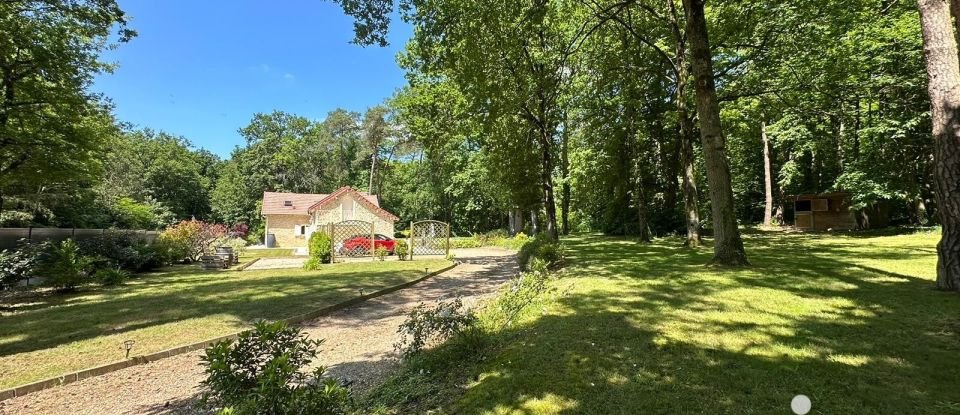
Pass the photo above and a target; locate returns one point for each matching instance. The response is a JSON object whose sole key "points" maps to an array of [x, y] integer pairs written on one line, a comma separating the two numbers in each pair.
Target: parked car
{"points": [[360, 244]]}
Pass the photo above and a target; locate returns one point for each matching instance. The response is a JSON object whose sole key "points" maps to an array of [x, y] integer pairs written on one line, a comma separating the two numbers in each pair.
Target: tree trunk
{"points": [[641, 201], [727, 245], [546, 176], [534, 222], [691, 199], [565, 173], [767, 177], [943, 73], [373, 171]]}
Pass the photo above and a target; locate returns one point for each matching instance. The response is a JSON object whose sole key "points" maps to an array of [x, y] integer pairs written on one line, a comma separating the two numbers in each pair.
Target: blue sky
{"points": [[201, 69]]}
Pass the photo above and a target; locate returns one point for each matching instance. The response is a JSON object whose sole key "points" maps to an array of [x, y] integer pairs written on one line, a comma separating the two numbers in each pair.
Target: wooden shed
{"points": [[824, 211]]}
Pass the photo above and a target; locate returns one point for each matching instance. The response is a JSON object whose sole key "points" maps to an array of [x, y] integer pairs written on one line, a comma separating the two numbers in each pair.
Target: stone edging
{"points": [[139, 360]]}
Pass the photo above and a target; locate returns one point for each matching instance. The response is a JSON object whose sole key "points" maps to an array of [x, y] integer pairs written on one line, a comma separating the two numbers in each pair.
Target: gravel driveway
{"points": [[358, 348]]}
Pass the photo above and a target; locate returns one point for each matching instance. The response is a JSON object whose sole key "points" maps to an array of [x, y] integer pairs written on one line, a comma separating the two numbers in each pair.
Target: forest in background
{"points": [[579, 116]]}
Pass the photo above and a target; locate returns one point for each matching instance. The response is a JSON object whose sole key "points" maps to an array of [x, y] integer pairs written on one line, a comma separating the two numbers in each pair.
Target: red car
{"points": [[360, 244]]}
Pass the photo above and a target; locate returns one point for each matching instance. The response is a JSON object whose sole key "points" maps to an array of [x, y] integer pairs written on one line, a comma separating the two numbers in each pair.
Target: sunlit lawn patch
{"points": [[851, 321], [57, 334]]}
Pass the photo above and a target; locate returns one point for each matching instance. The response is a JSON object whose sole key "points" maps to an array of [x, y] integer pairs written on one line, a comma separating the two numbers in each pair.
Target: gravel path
{"points": [[358, 348]]}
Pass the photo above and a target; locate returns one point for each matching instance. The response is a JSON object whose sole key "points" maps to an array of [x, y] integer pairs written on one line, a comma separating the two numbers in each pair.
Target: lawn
{"points": [[851, 321], [55, 334]]}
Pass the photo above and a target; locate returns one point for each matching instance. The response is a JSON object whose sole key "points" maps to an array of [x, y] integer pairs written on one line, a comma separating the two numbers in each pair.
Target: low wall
{"points": [[10, 237]]}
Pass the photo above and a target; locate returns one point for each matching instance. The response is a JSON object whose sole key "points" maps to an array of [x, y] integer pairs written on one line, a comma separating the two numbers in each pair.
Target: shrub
{"points": [[402, 249], [321, 245], [111, 276], [22, 263], [262, 373], [66, 267], [381, 253], [190, 239], [426, 325], [543, 247], [125, 250]]}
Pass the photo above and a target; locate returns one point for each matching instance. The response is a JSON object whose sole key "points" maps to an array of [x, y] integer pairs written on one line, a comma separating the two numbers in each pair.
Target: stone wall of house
{"points": [[334, 213], [282, 227]]}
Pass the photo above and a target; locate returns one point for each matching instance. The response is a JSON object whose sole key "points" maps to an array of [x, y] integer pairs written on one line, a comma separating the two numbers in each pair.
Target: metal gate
{"points": [[429, 237], [352, 239]]}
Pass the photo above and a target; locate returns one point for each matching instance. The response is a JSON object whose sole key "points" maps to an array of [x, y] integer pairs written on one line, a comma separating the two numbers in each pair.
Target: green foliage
{"points": [[111, 276], [22, 263], [65, 267], [402, 249], [263, 372], [542, 248], [52, 127], [321, 247], [425, 326], [124, 250], [380, 253]]}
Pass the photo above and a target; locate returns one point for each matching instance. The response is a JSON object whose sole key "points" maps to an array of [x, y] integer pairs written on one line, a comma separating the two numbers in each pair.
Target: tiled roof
{"points": [[364, 200], [274, 202]]}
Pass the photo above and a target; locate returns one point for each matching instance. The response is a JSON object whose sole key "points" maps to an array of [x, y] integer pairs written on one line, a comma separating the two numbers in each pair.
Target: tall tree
{"points": [[727, 245], [943, 73]]}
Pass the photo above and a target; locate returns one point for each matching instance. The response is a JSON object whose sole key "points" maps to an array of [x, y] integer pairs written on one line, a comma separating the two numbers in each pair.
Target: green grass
{"points": [[852, 321], [51, 335]]}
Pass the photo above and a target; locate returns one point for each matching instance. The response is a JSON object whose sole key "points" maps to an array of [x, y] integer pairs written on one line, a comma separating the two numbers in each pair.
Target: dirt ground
{"points": [[358, 348]]}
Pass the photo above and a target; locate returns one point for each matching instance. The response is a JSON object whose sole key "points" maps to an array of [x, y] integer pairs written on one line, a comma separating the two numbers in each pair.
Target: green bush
{"points": [[124, 250], [542, 247], [381, 253], [263, 373], [428, 325], [22, 263], [320, 247], [402, 249], [111, 276], [66, 267]]}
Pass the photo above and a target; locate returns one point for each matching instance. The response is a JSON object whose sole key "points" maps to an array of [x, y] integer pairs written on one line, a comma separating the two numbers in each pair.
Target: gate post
{"points": [[373, 242], [333, 244], [411, 240], [448, 240]]}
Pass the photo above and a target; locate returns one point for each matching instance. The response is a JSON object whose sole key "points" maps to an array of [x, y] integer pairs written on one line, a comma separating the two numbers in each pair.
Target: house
{"points": [[832, 211], [290, 218]]}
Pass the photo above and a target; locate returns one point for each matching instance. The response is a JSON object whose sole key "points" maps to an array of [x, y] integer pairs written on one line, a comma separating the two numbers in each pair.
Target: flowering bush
{"points": [[190, 239]]}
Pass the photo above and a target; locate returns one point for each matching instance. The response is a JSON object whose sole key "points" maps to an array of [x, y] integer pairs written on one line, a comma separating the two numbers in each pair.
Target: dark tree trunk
{"points": [[691, 199], [943, 73], [373, 172], [727, 245], [546, 176], [767, 177], [565, 173], [641, 201]]}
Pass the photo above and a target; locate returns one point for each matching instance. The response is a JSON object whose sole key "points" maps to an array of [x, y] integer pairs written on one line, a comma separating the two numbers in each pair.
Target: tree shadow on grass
{"points": [[648, 329], [162, 299]]}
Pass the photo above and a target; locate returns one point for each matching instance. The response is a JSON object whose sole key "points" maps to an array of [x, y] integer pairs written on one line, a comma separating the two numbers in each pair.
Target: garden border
{"points": [[139, 360]]}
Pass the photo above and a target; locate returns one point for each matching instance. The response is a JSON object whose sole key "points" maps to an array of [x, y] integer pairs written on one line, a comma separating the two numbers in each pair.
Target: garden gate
{"points": [[352, 239], [429, 237]]}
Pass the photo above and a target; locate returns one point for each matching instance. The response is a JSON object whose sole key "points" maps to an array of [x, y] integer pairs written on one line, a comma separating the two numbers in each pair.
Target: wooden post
{"points": [[333, 244], [30, 233], [448, 240], [411, 240], [373, 241]]}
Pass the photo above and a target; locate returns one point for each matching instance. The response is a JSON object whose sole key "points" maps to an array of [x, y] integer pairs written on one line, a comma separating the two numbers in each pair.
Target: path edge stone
{"points": [[143, 359]]}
